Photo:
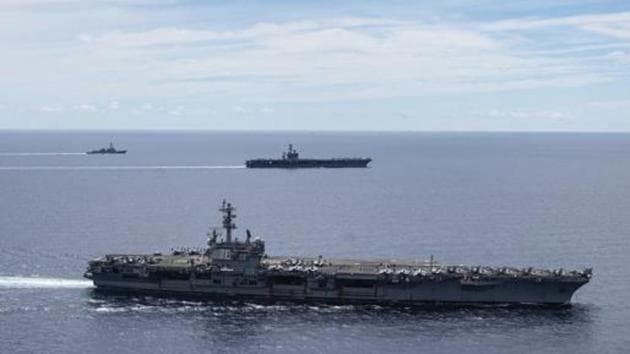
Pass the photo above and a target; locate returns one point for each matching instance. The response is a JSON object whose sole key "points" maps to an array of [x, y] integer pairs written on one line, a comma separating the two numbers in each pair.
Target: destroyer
{"points": [[291, 159], [109, 150], [240, 269]]}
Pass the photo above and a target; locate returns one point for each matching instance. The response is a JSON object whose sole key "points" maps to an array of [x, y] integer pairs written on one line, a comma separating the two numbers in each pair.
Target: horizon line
{"points": [[203, 130]]}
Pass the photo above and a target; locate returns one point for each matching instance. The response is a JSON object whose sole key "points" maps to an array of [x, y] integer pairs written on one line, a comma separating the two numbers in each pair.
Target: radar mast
{"points": [[292, 154], [228, 215]]}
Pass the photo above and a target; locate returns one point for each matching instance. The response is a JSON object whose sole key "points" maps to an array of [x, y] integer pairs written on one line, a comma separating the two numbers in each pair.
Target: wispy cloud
{"points": [[51, 108], [525, 114], [613, 25], [350, 58], [574, 21]]}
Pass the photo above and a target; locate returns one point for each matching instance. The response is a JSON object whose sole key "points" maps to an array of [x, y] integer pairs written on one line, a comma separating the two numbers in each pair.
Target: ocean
{"points": [[557, 200]]}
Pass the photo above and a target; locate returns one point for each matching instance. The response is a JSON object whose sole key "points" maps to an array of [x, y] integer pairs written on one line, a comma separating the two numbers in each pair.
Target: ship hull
{"points": [[308, 163], [106, 153], [423, 293]]}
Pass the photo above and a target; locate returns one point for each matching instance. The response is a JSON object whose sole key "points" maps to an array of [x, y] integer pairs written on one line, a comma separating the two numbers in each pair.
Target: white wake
{"points": [[44, 283], [40, 153], [114, 168]]}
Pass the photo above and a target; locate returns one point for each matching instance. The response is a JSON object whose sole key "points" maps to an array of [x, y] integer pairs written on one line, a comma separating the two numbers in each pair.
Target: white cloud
{"points": [[270, 31], [622, 106], [156, 37], [266, 110], [86, 108], [241, 110], [113, 105], [574, 21], [525, 114], [311, 60], [51, 108], [614, 25], [620, 56], [177, 111], [620, 31], [80, 108]]}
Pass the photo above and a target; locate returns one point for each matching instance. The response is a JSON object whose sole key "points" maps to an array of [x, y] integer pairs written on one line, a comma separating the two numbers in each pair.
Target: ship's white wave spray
{"points": [[47, 283], [40, 153], [114, 168]]}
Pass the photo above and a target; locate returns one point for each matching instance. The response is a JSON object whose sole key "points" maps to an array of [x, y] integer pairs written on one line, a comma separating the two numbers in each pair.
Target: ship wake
{"points": [[116, 168], [41, 153], [42, 283]]}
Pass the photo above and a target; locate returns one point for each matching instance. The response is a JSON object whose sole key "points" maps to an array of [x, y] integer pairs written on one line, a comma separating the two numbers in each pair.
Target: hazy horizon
{"points": [[298, 131]]}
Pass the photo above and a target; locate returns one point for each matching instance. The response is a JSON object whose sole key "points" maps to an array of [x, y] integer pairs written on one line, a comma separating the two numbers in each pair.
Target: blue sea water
{"points": [[530, 199]]}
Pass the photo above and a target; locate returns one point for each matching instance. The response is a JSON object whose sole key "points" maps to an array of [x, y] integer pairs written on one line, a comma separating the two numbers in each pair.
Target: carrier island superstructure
{"points": [[240, 270]]}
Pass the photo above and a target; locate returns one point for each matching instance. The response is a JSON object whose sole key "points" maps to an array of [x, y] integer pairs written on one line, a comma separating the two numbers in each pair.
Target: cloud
{"points": [[614, 25], [158, 36], [182, 36], [86, 108], [177, 111], [51, 108], [613, 105], [621, 31], [158, 108], [113, 106], [620, 56], [527, 114], [192, 59], [241, 110], [231, 77], [347, 58], [80, 108], [573, 21]]}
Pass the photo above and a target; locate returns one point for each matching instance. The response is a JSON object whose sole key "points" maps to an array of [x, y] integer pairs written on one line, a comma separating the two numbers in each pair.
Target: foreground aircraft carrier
{"points": [[240, 269]]}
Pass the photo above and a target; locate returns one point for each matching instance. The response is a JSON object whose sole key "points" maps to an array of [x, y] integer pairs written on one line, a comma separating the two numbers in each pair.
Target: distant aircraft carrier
{"points": [[291, 159], [235, 269]]}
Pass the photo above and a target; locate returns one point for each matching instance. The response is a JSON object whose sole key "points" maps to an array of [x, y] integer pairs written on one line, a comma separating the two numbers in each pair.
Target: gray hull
{"points": [[291, 159], [450, 291], [308, 163]]}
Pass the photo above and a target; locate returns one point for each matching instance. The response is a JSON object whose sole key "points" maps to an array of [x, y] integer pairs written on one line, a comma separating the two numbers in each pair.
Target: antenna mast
{"points": [[292, 154], [228, 215]]}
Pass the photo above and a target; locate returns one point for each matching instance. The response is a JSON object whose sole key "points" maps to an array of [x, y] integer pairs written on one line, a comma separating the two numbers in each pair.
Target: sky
{"points": [[349, 65]]}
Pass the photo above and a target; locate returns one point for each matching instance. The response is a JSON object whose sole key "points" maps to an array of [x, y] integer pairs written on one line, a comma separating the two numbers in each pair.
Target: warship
{"points": [[240, 270], [108, 150], [291, 159]]}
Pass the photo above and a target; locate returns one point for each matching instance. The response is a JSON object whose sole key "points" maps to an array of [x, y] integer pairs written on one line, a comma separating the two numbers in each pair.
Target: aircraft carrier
{"points": [[291, 159], [240, 270]]}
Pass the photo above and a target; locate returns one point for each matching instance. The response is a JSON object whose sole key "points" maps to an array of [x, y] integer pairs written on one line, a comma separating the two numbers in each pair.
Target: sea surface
{"points": [[530, 199]]}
